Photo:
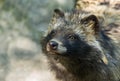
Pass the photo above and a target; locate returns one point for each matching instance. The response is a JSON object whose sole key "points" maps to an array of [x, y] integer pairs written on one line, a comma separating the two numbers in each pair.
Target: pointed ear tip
{"points": [[94, 16], [59, 12], [56, 10]]}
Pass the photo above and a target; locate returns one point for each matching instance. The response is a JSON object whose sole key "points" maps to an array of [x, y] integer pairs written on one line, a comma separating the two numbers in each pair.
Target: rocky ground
{"points": [[23, 22]]}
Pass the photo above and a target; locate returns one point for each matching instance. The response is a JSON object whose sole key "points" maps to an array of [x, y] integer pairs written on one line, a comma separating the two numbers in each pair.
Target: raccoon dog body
{"points": [[78, 50]]}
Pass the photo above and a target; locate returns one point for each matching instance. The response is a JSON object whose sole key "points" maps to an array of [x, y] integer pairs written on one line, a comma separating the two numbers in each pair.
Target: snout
{"points": [[55, 46]]}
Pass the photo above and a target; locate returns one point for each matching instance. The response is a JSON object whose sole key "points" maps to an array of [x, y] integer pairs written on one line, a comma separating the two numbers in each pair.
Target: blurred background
{"points": [[22, 24]]}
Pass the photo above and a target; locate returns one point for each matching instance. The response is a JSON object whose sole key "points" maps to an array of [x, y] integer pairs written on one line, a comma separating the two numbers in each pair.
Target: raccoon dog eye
{"points": [[53, 32], [72, 37]]}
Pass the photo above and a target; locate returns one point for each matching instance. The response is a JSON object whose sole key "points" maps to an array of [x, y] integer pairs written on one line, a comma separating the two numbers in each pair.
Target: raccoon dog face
{"points": [[66, 42], [73, 35]]}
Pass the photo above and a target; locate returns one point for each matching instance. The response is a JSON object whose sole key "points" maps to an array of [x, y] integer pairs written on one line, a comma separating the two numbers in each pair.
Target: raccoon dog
{"points": [[78, 50]]}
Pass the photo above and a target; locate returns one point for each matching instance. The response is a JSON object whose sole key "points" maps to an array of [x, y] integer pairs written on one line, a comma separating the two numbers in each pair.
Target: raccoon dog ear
{"points": [[92, 23], [58, 13]]}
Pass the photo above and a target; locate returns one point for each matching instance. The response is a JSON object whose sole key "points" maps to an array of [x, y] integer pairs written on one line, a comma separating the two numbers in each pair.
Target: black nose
{"points": [[53, 45]]}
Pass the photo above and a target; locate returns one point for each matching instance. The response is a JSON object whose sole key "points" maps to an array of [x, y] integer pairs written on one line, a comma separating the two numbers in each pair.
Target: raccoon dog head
{"points": [[73, 34]]}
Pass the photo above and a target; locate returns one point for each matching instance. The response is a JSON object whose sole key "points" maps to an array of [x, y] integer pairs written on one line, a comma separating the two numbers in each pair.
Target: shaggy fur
{"points": [[78, 50]]}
